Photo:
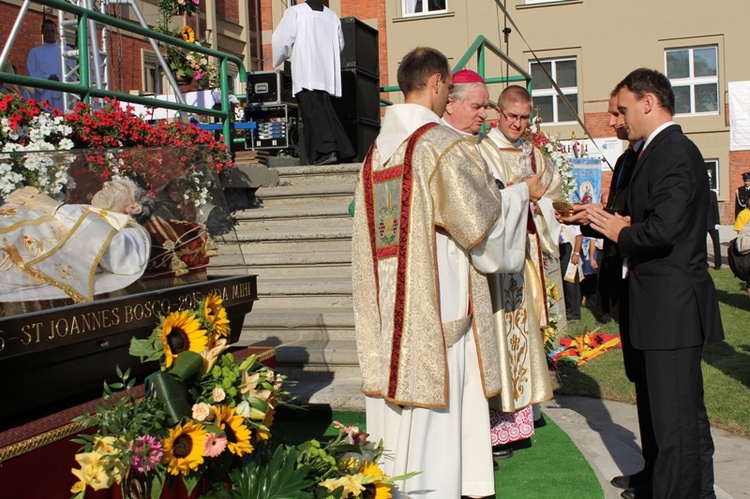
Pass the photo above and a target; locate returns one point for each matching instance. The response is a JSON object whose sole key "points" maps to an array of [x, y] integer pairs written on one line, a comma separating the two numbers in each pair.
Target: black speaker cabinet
{"points": [[361, 49], [361, 133], [360, 96]]}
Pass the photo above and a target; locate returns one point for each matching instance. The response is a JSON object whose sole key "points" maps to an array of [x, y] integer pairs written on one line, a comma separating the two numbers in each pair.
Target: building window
{"points": [[551, 107], [423, 7], [694, 73], [151, 74], [712, 169]]}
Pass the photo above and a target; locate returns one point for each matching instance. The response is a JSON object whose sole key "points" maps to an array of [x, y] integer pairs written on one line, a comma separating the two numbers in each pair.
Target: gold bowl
{"points": [[564, 208]]}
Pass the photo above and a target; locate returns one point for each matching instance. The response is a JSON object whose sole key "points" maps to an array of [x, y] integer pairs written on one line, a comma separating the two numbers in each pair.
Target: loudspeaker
{"points": [[361, 49], [360, 96], [361, 133]]}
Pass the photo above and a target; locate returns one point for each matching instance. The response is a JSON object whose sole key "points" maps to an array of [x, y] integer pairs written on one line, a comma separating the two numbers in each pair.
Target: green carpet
{"points": [[547, 466]]}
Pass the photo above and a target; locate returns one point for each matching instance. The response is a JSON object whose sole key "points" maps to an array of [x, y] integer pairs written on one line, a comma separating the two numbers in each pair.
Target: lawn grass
{"points": [[534, 471], [726, 365]]}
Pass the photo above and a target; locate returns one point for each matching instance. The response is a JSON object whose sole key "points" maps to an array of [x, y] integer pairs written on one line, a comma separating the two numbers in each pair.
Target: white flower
{"points": [[202, 411], [243, 409], [218, 394]]}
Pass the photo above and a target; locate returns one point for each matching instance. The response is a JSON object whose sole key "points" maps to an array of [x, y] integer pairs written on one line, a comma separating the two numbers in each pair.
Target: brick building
{"points": [[586, 45]]}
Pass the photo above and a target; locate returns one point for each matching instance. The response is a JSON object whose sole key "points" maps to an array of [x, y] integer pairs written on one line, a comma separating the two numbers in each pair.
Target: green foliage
{"points": [[279, 478], [726, 365]]}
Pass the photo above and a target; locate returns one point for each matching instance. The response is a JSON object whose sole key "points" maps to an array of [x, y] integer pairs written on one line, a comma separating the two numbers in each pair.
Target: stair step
{"points": [[323, 209], [314, 175], [321, 272], [294, 224], [301, 194], [305, 286], [298, 319], [300, 233]]}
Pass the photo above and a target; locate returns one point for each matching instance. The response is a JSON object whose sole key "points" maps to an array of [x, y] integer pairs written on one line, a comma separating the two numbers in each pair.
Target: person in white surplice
{"points": [[428, 223], [311, 35]]}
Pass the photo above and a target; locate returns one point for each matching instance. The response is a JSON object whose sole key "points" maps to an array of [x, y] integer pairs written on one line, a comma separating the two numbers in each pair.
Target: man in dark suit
{"points": [[612, 297], [673, 304]]}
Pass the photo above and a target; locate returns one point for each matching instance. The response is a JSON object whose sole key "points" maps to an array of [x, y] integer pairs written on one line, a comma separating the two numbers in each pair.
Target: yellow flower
{"points": [[233, 425], [352, 485], [216, 314], [181, 332], [92, 472], [382, 491], [78, 487], [373, 477], [262, 433], [187, 34], [183, 448]]}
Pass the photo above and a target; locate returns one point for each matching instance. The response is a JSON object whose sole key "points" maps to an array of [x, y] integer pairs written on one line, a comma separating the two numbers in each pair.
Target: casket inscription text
{"points": [[41, 331]]}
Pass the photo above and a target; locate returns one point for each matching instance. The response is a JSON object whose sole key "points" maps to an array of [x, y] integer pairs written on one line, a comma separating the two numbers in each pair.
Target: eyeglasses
{"points": [[512, 118]]}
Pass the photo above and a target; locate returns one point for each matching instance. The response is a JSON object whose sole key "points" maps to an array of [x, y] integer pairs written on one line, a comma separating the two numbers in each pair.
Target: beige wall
{"points": [[609, 38]]}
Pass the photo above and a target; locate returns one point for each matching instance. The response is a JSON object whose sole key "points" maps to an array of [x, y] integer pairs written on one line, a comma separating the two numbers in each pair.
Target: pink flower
{"points": [[147, 452], [214, 444]]}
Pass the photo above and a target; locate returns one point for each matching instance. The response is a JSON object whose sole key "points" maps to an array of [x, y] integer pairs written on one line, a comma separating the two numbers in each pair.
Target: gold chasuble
{"points": [[432, 182], [519, 300]]}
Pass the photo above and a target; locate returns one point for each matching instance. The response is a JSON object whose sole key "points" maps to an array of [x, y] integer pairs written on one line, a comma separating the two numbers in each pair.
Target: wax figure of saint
{"points": [[311, 35], [428, 220], [44, 61], [519, 299], [50, 250]]}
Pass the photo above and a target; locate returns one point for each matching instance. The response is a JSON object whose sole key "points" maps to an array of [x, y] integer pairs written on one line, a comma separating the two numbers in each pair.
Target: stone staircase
{"points": [[298, 243]]}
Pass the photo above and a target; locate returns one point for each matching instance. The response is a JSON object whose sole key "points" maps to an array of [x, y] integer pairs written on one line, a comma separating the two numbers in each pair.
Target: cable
{"points": [[554, 85]]}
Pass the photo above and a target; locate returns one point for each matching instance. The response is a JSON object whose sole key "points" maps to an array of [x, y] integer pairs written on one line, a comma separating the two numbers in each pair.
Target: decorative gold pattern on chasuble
{"points": [[387, 211], [517, 327]]}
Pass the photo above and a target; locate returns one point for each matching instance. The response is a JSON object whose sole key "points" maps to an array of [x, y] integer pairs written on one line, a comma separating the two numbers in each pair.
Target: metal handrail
{"points": [[480, 47], [86, 92]]}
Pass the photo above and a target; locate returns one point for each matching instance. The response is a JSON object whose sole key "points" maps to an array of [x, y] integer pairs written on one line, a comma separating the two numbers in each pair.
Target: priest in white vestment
{"points": [[44, 61], [428, 222], [520, 302]]}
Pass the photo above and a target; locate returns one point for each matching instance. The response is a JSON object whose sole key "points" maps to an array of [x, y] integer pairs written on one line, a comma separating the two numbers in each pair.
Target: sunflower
{"points": [[216, 314], [187, 34], [181, 332], [183, 448], [373, 478], [263, 433], [238, 435]]}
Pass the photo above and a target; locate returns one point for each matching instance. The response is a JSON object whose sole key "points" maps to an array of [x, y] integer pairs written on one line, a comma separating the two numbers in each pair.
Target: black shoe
{"points": [[637, 493], [631, 481], [327, 159], [604, 319], [502, 451]]}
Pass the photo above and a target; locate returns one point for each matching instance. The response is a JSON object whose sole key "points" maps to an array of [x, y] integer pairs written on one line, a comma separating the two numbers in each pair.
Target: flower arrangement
{"points": [[206, 416], [551, 148], [179, 7], [189, 65], [26, 127], [202, 411]]}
